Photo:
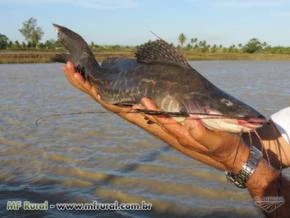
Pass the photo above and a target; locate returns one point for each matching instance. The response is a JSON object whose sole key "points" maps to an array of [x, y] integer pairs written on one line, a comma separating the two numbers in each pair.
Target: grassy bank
{"points": [[235, 56], [48, 56]]}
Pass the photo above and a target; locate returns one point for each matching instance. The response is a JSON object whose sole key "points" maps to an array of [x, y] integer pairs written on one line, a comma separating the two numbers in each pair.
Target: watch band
{"points": [[249, 167]]}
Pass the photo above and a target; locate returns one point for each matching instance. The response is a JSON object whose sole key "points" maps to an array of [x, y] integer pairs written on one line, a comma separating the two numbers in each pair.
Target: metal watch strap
{"points": [[249, 167]]}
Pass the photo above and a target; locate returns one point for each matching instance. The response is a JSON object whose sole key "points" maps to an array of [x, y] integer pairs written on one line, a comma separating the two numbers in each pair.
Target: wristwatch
{"points": [[249, 167]]}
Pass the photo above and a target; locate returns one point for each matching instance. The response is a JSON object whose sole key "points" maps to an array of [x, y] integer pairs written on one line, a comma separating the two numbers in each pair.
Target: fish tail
{"points": [[79, 53]]}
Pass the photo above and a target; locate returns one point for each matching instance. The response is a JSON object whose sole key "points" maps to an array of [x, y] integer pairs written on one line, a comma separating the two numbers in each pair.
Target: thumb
{"points": [[209, 138], [149, 104]]}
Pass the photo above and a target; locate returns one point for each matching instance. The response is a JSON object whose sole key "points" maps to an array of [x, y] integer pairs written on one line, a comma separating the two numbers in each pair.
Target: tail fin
{"points": [[80, 53]]}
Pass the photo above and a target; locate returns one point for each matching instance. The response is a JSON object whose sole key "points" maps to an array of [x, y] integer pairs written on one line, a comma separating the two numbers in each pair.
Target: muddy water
{"points": [[99, 157]]}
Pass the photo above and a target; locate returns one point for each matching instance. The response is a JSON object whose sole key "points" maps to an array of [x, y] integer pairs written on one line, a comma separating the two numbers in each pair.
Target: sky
{"points": [[129, 22]]}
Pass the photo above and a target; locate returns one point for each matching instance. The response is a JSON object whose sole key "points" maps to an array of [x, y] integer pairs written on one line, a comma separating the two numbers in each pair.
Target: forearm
{"points": [[267, 182]]}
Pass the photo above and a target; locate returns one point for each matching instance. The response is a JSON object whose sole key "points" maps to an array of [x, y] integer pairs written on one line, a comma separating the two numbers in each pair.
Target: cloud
{"points": [[93, 4], [247, 3]]}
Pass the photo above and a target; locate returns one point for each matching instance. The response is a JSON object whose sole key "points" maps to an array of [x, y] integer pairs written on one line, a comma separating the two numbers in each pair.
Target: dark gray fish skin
{"points": [[79, 51], [174, 84]]}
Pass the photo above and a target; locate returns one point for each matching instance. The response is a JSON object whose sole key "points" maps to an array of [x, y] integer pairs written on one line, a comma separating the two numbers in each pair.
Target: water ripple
{"points": [[100, 157]]}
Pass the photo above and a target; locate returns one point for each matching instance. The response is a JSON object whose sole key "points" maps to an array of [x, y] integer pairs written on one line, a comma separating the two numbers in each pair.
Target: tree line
{"points": [[33, 35], [254, 45]]}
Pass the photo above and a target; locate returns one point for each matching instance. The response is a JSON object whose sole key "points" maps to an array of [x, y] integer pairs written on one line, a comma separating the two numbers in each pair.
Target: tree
{"points": [[49, 44], [10, 44], [57, 44], [193, 41], [188, 46], [3, 41], [200, 44], [17, 45], [182, 39], [232, 48], [41, 45], [264, 45], [23, 45], [31, 32], [213, 48], [252, 46]]}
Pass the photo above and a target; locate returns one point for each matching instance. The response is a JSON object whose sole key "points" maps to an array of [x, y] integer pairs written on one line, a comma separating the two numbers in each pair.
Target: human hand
{"points": [[138, 119], [83, 85], [229, 149], [78, 81], [220, 146], [225, 148]]}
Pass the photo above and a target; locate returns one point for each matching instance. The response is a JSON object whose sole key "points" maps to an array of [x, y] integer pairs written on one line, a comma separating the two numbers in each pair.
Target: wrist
{"points": [[241, 178], [237, 159], [264, 180]]}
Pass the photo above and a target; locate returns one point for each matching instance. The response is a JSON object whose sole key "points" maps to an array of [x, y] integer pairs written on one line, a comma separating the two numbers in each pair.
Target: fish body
{"points": [[161, 73]]}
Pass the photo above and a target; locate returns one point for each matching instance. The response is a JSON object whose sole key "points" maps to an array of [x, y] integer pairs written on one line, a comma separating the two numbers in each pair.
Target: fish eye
{"points": [[227, 102]]}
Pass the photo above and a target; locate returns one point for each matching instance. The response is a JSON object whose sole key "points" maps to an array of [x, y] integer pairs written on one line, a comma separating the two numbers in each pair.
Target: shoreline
{"points": [[14, 57]]}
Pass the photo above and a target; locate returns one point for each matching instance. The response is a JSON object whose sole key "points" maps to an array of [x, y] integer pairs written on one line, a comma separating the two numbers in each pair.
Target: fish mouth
{"points": [[234, 125], [218, 121], [252, 123], [236, 122]]}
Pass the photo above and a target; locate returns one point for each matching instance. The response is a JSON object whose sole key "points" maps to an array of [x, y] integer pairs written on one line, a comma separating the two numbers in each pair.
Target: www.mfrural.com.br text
{"points": [[90, 206]]}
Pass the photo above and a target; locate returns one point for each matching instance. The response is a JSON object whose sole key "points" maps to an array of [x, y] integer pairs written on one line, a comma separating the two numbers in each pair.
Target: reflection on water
{"points": [[99, 157]]}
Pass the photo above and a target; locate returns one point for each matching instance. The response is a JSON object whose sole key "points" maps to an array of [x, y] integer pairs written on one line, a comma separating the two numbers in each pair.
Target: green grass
{"points": [[235, 56], [47, 56]]}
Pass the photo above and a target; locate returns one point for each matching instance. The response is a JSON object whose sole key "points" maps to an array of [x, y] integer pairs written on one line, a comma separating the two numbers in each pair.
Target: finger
{"points": [[150, 105], [68, 72], [138, 107], [76, 78], [96, 94], [166, 121], [211, 139], [69, 75], [79, 78], [70, 66], [82, 83], [69, 69], [174, 128]]}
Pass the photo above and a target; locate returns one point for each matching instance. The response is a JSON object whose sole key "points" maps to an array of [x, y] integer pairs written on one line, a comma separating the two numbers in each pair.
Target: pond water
{"points": [[99, 157]]}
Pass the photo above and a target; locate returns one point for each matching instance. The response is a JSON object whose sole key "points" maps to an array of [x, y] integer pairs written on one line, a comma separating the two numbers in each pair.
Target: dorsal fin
{"points": [[159, 51]]}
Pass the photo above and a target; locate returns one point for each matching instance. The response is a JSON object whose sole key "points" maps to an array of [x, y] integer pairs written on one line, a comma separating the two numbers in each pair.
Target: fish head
{"points": [[229, 114]]}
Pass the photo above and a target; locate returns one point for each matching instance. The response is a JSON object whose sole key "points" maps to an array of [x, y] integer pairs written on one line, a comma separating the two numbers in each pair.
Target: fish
{"points": [[160, 72]]}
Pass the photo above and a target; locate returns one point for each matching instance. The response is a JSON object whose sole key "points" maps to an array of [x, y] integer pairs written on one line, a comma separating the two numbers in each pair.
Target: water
{"points": [[99, 157]]}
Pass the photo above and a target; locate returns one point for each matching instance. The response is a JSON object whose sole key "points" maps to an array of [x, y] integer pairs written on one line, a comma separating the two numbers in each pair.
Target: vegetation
{"points": [[182, 38], [35, 50], [3, 41], [31, 32], [253, 46]]}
